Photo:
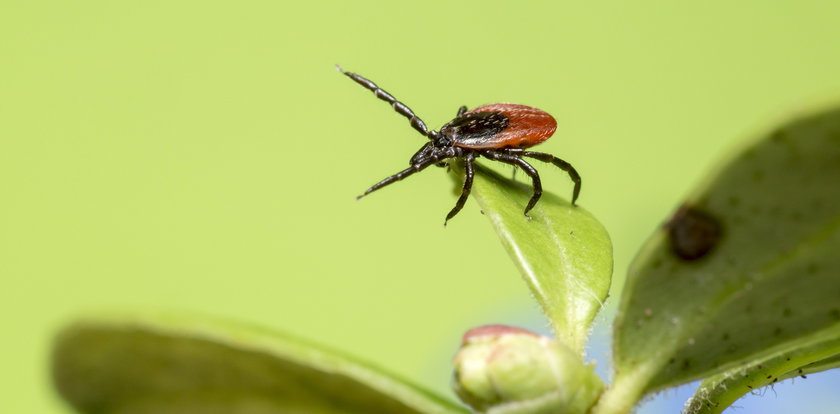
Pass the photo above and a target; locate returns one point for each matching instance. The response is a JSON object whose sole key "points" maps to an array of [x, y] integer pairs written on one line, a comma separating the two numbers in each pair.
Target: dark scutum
{"points": [[475, 125]]}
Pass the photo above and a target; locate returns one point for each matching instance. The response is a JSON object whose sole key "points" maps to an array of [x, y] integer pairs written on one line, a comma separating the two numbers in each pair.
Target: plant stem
{"points": [[621, 396]]}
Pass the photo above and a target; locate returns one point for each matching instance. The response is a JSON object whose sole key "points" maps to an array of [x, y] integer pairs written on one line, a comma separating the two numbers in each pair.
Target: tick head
{"points": [[425, 152]]}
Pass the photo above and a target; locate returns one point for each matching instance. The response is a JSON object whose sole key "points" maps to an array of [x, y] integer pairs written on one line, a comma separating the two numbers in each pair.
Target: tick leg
{"points": [[398, 106], [530, 170], [461, 110], [563, 165], [400, 175], [468, 181]]}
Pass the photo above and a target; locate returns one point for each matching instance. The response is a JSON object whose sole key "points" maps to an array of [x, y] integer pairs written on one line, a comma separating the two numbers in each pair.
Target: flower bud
{"points": [[513, 370]]}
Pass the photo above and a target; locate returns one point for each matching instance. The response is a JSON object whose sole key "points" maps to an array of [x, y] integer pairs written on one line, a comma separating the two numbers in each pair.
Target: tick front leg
{"points": [[400, 175], [468, 181]]}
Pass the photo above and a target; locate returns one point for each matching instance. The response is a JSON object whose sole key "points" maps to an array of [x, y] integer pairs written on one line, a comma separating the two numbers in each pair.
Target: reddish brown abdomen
{"points": [[526, 127]]}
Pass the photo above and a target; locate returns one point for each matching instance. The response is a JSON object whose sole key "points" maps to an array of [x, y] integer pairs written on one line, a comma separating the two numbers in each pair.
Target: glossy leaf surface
{"points": [[563, 253], [748, 268], [176, 365]]}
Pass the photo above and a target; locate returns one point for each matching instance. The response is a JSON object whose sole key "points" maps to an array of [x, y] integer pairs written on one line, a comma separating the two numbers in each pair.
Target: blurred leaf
{"points": [[718, 392], [563, 252], [179, 365], [747, 268], [817, 366]]}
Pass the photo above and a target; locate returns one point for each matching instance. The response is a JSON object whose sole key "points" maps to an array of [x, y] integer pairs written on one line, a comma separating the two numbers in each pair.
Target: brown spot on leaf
{"points": [[693, 233]]}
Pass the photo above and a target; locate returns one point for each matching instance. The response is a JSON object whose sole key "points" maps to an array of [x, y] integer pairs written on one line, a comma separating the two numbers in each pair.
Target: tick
{"points": [[499, 132]]}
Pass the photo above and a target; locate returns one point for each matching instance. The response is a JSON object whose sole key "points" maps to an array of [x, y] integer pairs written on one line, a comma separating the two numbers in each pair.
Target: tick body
{"points": [[497, 126], [500, 132]]}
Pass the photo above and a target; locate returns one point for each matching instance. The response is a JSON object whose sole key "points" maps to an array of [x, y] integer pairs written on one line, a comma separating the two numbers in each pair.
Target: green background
{"points": [[204, 157]]}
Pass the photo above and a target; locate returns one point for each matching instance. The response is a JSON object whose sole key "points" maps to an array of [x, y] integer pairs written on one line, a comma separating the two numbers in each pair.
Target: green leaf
{"points": [[718, 392], [166, 364], [563, 252], [746, 269], [818, 366]]}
